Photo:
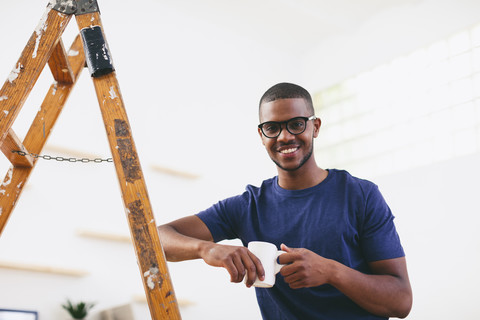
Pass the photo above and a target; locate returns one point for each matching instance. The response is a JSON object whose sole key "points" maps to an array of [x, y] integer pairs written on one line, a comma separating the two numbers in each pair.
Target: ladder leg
{"points": [[37, 135], [150, 256]]}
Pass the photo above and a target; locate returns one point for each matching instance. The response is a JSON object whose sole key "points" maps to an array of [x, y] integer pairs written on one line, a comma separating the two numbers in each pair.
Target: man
{"points": [[344, 259]]}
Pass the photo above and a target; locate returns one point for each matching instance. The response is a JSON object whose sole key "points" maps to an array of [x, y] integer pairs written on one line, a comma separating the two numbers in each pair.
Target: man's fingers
{"points": [[260, 271], [287, 258], [239, 261], [292, 277], [288, 270], [291, 255], [297, 284], [251, 275], [284, 247], [232, 270], [240, 268], [254, 268], [289, 275]]}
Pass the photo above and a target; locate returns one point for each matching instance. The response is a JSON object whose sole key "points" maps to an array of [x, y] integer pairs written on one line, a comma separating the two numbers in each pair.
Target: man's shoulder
{"points": [[264, 185], [348, 180]]}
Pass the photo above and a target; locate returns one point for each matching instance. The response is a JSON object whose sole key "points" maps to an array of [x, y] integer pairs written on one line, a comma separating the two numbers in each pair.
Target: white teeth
{"points": [[289, 150]]}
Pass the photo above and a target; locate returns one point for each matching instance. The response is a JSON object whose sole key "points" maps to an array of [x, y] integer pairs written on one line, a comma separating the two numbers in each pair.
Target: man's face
{"points": [[289, 152]]}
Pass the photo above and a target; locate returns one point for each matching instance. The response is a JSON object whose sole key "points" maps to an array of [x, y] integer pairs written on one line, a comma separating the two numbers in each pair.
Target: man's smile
{"points": [[289, 150]]}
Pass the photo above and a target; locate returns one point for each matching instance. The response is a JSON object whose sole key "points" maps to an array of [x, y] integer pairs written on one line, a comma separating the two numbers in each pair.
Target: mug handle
{"points": [[278, 266]]}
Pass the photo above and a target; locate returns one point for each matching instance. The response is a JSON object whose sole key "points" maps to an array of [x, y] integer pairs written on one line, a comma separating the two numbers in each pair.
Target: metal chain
{"points": [[47, 157]]}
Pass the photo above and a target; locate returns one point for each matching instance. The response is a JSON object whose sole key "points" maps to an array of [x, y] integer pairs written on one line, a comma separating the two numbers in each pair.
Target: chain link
{"points": [[47, 157]]}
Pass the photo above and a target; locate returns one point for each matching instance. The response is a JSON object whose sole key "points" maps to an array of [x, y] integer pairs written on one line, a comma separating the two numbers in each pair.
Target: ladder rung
{"points": [[59, 65], [11, 143]]}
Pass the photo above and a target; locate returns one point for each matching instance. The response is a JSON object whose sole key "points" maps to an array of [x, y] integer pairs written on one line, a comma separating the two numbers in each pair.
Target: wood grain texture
{"points": [[59, 65], [182, 303], [11, 143], [28, 68], [150, 256], [37, 135]]}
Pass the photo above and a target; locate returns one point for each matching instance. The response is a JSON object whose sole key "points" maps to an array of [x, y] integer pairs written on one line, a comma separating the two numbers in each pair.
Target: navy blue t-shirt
{"points": [[343, 218]]}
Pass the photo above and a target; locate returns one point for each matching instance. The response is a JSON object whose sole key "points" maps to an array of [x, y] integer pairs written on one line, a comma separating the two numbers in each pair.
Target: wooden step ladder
{"points": [[89, 47]]}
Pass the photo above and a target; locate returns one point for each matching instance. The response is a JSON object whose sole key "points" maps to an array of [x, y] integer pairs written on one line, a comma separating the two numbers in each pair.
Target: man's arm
{"points": [[189, 238], [386, 292]]}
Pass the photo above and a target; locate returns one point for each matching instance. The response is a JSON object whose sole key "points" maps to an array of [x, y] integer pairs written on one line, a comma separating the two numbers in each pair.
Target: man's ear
{"points": [[261, 135], [317, 123]]}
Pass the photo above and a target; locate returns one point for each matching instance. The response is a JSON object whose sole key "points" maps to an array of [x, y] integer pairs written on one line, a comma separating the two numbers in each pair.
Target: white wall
{"points": [[390, 34], [191, 91]]}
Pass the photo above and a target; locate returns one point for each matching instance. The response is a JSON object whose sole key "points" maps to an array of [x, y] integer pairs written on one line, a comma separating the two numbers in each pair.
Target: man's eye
{"points": [[296, 125], [270, 127]]}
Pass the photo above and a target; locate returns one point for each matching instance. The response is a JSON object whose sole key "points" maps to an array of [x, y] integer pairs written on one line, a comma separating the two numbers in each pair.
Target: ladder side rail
{"points": [[37, 135], [62, 73], [29, 66], [148, 249]]}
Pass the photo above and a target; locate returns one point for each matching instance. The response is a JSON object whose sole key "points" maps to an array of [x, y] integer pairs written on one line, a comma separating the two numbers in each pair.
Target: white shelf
{"points": [[43, 269], [104, 235]]}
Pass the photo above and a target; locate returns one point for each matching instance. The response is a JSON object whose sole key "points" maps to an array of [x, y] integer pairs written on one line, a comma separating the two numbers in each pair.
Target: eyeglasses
{"points": [[297, 125]]}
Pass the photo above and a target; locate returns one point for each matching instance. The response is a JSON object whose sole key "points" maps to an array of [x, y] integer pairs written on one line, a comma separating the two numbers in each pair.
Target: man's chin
{"points": [[289, 168], [293, 166]]}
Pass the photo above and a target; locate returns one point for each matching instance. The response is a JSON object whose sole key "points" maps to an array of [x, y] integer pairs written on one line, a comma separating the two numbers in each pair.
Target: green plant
{"points": [[78, 310]]}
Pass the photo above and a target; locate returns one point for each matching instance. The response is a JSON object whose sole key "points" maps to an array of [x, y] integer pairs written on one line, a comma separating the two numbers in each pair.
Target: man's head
{"points": [[285, 90], [288, 126]]}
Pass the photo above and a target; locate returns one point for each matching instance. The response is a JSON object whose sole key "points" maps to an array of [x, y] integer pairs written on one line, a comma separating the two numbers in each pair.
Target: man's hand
{"points": [[304, 268], [238, 261], [189, 238], [386, 292]]}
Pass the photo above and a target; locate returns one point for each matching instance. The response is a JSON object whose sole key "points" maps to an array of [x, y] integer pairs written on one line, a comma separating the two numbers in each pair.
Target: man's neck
{"points": [[302, 178]]}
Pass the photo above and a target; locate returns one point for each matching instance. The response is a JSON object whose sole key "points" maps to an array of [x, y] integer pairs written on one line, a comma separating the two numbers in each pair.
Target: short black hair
{"points": [[285, 90]]}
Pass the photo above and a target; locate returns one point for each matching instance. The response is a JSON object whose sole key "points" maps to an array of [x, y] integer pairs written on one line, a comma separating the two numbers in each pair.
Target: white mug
{"points": [[267, 253]]}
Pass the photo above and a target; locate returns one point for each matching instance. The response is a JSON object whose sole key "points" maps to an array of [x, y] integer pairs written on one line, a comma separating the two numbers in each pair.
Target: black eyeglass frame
{"points": [[280, 123]]}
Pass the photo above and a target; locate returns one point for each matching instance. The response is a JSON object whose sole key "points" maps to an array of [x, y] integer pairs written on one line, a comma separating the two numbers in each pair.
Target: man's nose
{"points": [[285, 135]]}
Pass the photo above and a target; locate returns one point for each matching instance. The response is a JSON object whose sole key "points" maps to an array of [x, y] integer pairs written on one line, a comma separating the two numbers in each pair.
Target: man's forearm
{"points": [[178, 247], [383, 295]]}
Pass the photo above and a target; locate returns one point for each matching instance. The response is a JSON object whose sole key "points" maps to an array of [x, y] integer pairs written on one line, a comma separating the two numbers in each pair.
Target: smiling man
{"points": [[343, 259]]}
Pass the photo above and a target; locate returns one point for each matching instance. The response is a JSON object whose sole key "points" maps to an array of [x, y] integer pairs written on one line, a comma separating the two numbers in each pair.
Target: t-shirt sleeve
{"points": [[380, 239], [221, 217]]}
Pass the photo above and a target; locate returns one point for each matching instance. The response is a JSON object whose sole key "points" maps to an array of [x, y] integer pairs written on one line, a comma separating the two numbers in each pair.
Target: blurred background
{"points": [[396, 84]]}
